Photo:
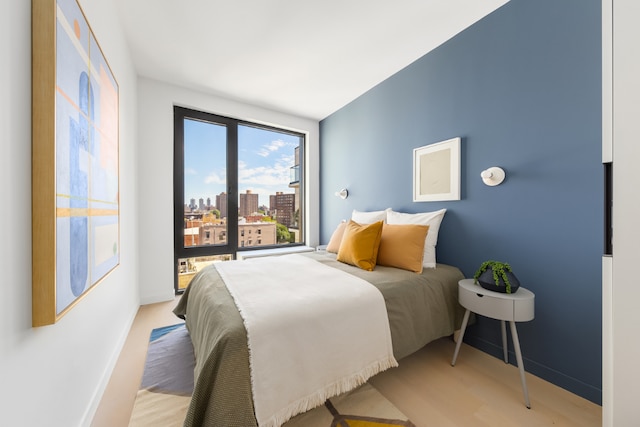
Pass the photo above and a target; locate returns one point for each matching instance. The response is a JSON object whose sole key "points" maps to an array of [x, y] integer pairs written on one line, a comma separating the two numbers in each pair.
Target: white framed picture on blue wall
{"points": [[436, 171]]}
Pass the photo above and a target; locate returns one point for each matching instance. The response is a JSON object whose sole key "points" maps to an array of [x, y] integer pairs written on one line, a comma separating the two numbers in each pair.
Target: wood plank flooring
{"points": [[479, 391]]}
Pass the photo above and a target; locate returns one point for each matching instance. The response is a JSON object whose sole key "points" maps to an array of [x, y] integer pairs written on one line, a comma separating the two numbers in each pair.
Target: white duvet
{"points": [[313, 332]]}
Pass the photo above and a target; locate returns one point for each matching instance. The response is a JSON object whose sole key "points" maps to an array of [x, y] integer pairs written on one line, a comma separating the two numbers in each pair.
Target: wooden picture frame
{"points": [[75, 164], [436, 171]]}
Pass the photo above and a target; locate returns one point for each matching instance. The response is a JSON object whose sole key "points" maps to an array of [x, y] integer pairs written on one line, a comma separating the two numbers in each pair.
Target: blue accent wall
{"points": [[522, 88]]}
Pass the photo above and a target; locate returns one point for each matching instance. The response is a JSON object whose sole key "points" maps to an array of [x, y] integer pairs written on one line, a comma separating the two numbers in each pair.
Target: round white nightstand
{"points": [[516, 307]]}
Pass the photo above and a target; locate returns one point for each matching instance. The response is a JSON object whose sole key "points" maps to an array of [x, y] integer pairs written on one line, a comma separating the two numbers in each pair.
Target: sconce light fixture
{"points": [[493, 176], [343, 194]]}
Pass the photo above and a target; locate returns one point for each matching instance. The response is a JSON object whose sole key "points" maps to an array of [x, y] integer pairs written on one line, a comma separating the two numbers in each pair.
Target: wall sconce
{"points": [[493, 176], [343, 194]]}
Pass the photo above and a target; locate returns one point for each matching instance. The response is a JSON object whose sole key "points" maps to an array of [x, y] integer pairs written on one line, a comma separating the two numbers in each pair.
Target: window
{"points": [[233, 177]]}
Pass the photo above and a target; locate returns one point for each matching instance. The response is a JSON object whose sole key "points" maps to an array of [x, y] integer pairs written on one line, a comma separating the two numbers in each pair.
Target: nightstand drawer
{"points": [[517, 307], [486, 305]]}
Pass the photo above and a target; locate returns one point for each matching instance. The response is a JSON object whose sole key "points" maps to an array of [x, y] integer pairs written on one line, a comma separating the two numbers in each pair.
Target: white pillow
{"points": [[369, 217], [433, 220]]}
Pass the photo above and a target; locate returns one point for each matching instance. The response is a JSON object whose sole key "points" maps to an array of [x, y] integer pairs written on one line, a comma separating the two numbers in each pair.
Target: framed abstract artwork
{"points": [[436, 171], [75, 165]]}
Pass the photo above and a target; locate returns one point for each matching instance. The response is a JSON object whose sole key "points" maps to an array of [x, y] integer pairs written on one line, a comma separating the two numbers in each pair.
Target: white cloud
{"points": [[273, 146], [190, 171], [215, 178], [276, 176]]}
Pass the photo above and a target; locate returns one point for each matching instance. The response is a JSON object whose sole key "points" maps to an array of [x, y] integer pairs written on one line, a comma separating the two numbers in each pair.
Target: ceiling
{"points": [[306, 58]]}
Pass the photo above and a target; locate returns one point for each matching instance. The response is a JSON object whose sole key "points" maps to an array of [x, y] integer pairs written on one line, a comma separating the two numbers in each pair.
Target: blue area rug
{"points": [[167, 381], [170, 362], [160, 332]]}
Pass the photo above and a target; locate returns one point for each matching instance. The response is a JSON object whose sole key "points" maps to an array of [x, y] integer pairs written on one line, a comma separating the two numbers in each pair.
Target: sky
{"points": [[264, 161]]}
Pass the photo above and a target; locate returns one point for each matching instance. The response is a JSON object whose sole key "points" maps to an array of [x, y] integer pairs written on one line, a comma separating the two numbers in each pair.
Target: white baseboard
{"points": [[152, 299], [90, 412]]}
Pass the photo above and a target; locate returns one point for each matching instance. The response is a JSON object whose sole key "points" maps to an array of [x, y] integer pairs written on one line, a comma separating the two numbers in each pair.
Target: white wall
{"points": [[55, 375], [622, 348], [155, 112]]}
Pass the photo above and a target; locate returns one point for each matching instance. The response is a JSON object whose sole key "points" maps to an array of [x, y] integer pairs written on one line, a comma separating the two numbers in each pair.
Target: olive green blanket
{"points": [[421, 308]]}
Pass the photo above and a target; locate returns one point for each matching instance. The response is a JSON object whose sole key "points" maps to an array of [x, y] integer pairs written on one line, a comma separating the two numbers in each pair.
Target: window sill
{"points": [[273, 252]]}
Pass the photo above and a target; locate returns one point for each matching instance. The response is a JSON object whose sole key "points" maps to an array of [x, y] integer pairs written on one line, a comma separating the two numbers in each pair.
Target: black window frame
{"points": [[232, 245]]}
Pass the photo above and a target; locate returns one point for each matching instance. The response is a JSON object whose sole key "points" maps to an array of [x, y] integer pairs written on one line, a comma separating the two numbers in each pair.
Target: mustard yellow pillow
{"points": [[402, 246], [336, 238], [360, 244]]}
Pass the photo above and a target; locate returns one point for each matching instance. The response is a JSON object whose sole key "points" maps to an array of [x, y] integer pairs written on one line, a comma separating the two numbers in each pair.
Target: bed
{"points": [[421, 307]]}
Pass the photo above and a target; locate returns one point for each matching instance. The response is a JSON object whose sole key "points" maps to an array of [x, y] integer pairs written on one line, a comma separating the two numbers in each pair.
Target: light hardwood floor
{"points": [[479, 391]]}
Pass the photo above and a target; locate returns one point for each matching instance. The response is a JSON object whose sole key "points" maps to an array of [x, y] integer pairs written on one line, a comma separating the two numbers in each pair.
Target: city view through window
{"points": [[268, 205]]}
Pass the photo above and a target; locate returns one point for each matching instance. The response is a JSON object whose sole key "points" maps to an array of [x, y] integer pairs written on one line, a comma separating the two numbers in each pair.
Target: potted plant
{"points": [[496, 276]]}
